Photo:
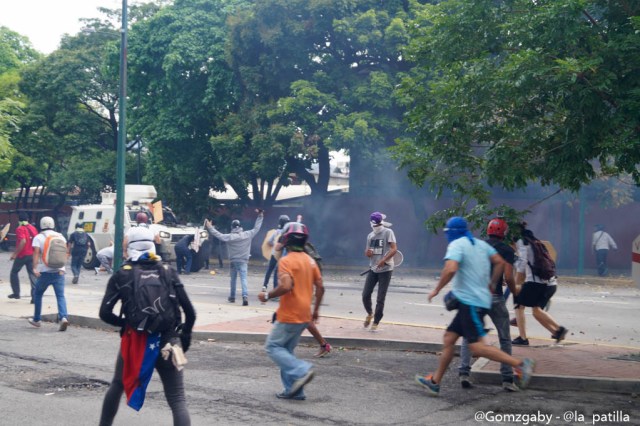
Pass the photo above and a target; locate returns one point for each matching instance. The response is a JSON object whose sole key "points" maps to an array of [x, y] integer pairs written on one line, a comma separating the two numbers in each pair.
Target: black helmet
{"points": [[294, 234], [283, 220], [235, 224]]}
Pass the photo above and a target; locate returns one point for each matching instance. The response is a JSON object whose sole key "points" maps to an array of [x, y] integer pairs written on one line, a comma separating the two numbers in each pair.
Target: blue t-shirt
{"points": [[471, 282]]}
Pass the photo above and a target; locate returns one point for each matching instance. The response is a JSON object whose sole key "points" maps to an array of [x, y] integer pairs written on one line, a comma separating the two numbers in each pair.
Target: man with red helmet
{"points": [[139, 239], [294, 312], [496, 231]]}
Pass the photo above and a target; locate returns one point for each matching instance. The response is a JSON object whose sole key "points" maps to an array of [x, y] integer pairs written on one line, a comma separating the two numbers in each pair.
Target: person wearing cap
{"points": [[78, 246], [139, 239], [601, 242], [22, 255], [380, 248], [47, 276], [496, 231], [239, 247], [474, 267]]}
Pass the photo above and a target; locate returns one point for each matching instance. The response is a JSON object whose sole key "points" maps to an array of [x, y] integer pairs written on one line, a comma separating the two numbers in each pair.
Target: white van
{"points": [[99, 223]]}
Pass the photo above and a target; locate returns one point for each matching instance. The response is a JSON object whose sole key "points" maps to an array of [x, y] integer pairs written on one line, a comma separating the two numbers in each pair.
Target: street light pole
{"points": [[122, 138]]}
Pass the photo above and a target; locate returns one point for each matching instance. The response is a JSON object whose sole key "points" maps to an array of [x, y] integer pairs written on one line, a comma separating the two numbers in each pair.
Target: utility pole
{"points": [[122, 138]]}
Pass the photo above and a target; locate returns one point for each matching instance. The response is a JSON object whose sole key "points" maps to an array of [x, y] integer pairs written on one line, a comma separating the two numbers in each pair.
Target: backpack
{"points": [[54, 252], [313, 252], [543, 266], [149, 300], [81, 239]]}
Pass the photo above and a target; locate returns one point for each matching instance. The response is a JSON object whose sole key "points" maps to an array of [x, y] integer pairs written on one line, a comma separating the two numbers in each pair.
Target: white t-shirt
{"points": [[140, 239], [38, 241], [603, 241], [107, 251]]}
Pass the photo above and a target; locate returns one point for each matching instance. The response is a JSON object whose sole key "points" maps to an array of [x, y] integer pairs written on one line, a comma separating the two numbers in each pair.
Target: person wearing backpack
{"points": [[49, 257], [152, 298], [23, 255], [536, 268], [78, 245]]}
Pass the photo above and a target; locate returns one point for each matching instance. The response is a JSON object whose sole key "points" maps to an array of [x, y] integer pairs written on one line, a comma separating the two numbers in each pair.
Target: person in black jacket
{"points": [[172, 378]]}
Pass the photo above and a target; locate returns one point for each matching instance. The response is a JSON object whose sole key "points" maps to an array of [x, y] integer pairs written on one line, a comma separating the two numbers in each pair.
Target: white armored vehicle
{"points": [[99, 223]]}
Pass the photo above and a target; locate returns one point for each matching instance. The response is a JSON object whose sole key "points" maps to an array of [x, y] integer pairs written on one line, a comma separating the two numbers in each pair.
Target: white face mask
{"points": [[377, 229]]}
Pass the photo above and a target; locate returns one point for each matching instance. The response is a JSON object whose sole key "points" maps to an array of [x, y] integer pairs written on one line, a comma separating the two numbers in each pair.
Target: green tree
{"points": [[505, 93]]}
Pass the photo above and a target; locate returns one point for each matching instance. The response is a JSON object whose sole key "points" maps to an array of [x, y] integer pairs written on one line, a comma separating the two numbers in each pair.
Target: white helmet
{"points": [[47, 223]]}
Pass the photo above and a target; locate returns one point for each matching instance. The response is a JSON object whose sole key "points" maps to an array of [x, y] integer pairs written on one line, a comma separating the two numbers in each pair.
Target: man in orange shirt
{"points": [[294, 312]]}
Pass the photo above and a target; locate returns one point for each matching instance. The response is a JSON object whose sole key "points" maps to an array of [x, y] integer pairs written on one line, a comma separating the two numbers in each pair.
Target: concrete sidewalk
{"points": [[568, 366]]}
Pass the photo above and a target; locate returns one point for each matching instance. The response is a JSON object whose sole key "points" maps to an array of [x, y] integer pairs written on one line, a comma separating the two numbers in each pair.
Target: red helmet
{"points": [[497, 227], [294, 234]]}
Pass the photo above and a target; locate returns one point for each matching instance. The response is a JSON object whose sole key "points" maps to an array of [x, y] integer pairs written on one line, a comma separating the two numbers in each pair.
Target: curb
{"points": [[538, 382]]}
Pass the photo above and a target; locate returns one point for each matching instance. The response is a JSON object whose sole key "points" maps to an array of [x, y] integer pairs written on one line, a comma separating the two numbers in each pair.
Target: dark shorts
{"points": [[469, 322], [535, 294]]}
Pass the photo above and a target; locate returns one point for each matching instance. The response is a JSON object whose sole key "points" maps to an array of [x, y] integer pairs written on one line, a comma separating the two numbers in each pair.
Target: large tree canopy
{"points": [[509, 92]]}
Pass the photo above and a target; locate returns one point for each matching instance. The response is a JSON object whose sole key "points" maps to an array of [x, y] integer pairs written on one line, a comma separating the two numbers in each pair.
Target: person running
{"points": [[23, 255], [294, 311], [496, 232], [172, 377], [78, 245], [601, 242], [468, 262], [239, 245], [380, 248], [273, 262], [536, 293], [47, 276]]}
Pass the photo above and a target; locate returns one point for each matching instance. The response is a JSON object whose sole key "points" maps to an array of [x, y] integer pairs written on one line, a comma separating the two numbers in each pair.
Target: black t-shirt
{"points": [[507, 253]]}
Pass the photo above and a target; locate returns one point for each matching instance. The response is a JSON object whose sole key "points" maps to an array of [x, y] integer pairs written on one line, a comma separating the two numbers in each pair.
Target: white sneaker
{"points": [[34, 323], [97, 269], [64, 323], [510, 387]]}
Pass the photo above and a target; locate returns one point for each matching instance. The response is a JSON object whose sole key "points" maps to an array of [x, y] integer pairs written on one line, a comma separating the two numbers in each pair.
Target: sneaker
{"points": [[427, 383], [299, 384], [524, 372], [519, 341], [510, 387], [465, 382], [324, 350], [245, 301], [560, 334], [283, 395], [374, 327], [97, 269], [513, 322], [367, 320], [231, 300], [74, 280], [64, 323], [13, 296], [34, 323]]}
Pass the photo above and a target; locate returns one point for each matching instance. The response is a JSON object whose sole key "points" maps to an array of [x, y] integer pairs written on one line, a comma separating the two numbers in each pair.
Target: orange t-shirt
{"points": [[295, 306]]}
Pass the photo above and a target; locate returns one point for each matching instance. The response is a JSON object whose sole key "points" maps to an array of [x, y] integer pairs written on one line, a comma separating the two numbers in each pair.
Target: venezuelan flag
{"points": [[140, 352]]}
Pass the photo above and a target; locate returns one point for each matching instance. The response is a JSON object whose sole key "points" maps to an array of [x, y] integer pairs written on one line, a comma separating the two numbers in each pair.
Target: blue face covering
{"points": [[454, 234]]}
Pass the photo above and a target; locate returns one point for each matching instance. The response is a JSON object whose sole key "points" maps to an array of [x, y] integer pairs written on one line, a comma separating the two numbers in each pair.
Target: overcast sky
{"points": [[45, 21]]}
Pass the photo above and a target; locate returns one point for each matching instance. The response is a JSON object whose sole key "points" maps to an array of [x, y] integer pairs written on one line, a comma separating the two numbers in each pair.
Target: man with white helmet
{"points": [[47, 276]]}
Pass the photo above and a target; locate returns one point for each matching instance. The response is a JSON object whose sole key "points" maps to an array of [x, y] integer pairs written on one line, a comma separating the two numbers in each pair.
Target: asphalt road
{"points": [[52, 378]]}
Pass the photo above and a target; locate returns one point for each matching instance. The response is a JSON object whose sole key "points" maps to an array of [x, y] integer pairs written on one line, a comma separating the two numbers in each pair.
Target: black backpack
{"points": [[81, 239], [543, 266], [148, 297]]}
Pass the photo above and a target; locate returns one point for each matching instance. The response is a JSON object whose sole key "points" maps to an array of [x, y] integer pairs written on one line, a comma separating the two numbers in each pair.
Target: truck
{"points": [[98, 221]]}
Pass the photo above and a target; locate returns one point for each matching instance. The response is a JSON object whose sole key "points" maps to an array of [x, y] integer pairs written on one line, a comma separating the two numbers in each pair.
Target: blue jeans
{"points": [[500, 317], [43, 282], [280, 345], [241, 268], [184, 259], [76, 263]]}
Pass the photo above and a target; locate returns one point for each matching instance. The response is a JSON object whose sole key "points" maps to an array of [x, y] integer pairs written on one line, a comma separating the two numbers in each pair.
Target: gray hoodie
{"points": [[238, 241]]}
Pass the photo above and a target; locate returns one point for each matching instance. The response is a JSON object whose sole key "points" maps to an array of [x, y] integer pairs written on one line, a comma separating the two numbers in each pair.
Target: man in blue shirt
{"points": [[468, 263]]}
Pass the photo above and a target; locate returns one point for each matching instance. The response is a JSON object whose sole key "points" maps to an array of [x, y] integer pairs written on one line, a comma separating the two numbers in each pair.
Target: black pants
{"points": [[601, 260], [382, 279], [172, 382], [273, 266], [18, 263]]}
